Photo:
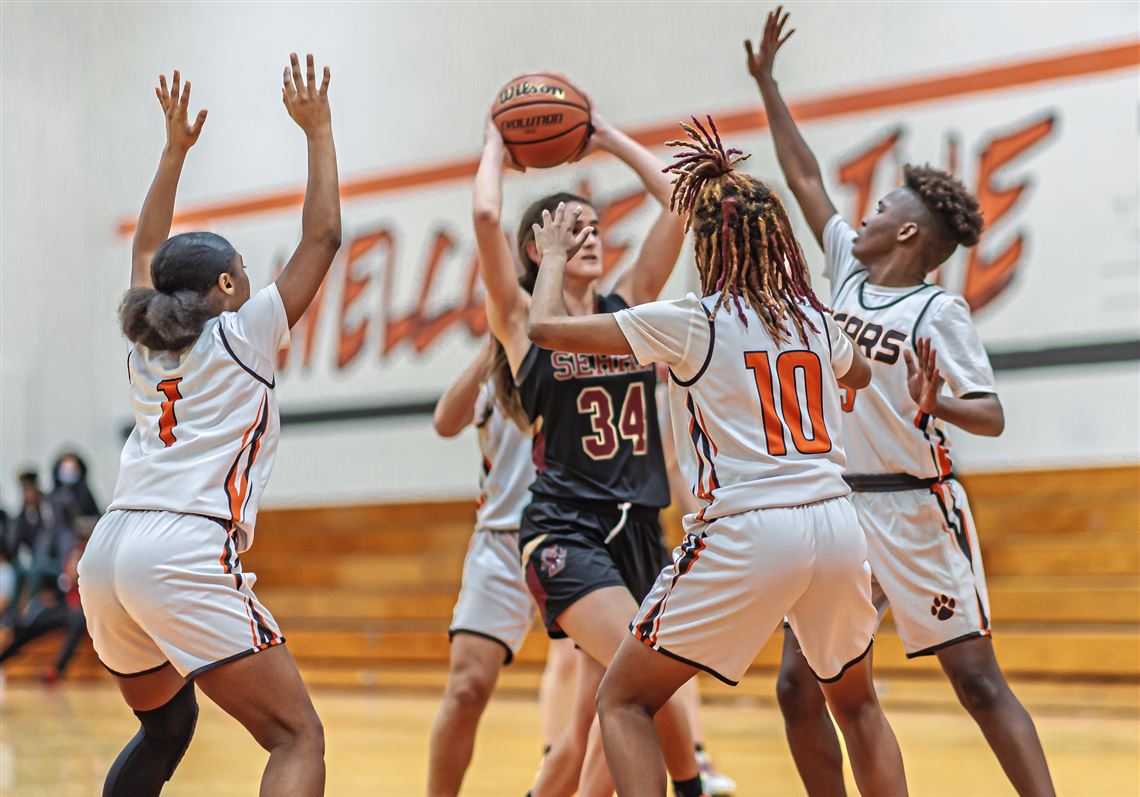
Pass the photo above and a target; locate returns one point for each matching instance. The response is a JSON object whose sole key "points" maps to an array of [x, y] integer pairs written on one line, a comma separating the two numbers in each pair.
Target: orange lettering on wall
{"points": [[986, 277], [350, 339], [858, 172]]}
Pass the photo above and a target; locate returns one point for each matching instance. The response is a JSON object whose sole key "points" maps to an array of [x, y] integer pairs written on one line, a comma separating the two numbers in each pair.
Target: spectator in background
{"points": [[55, 607], [40, 540], [70, 495]]}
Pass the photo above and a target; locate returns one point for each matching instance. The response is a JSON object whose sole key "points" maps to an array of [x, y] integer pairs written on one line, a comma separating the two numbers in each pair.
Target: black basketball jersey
{"points": [[599, 438]]}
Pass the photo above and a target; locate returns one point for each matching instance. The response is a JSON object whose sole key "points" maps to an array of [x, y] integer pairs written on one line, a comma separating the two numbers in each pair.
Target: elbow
{"points": [[444, 423], [540, 333], [485, 216], [859, 375], [997, 423]]}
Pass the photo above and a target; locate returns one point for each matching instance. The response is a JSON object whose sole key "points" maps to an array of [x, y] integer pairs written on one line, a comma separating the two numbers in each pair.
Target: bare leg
{"points": [[562, 767], [596, 780], [982, 689], [599, 624], [265, 693], [875, 758], [811, 734], [637, 685], [473, 670], [555, 697]]}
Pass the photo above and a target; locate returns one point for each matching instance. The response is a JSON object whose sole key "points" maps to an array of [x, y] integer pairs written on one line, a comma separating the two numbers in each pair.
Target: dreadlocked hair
{"points": [[954, 208], [742, 236]]}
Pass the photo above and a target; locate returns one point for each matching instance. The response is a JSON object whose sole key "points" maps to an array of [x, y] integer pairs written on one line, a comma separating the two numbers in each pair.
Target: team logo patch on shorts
{"points": [[943, 607], [553, 560]]}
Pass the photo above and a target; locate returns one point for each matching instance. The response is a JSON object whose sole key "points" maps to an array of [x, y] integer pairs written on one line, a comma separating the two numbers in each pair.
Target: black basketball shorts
{"points": [[571, 548]]}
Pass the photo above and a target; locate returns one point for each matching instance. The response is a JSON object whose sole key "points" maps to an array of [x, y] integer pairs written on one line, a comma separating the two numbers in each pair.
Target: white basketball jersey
{"points": [[885, 432], [508, 467], [757, 422], [206, 421]]}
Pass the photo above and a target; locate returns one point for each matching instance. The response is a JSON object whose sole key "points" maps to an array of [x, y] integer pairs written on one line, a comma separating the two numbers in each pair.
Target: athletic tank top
{"points": [[598, 437], [508, 470]]}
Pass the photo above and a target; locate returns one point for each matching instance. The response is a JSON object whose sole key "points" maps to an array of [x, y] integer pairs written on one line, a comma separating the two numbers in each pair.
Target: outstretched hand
{"points": [[557, 232], [760, 63], [175, 102], [307, 104], [922, 378]]}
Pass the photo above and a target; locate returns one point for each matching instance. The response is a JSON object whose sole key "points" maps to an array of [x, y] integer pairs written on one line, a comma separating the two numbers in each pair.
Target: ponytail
{"points": [[163, 321], [170, 316]]}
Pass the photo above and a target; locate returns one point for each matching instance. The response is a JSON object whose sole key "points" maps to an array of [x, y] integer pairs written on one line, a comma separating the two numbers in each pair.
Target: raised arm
{"points": [[800, 168], [647, 275], [507, 302], [308, 105], [455, 410], [549, 324], [157, 212]]}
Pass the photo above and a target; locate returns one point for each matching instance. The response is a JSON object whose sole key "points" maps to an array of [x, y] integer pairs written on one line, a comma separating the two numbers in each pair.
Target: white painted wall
{"points": [[80, 135]]}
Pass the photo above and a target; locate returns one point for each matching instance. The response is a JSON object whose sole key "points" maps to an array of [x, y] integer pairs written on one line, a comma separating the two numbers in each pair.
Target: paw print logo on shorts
{"points": [[943, 607]]}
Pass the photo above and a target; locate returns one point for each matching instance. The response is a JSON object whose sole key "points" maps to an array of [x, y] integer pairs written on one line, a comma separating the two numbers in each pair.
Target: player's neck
{"points": [[579, 295], [896, 270]]}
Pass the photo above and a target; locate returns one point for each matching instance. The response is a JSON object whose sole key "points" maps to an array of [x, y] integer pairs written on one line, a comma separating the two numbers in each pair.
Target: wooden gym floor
{"points": [[58, 742]]}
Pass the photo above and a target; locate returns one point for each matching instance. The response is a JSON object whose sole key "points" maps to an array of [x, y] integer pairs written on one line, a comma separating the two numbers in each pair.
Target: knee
{"points": [[979, 693], [798, 696], [301, 730], [468, 691]]}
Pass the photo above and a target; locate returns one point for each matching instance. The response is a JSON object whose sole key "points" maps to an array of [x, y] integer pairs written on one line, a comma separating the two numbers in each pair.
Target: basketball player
{"points": [[167, 602], [923, 547], [495, 608], [754, 367], [590, 539]]}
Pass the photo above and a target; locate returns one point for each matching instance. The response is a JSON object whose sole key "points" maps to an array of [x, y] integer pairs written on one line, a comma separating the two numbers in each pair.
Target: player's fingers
{"points": [[325, 82], [534, 228], [310, 72], [581, 237], [175, 86], [748, 49], [295, 72], [201, 120], [184, 103], [164, 92], [787, 36], [908, 358], [287, 87]]}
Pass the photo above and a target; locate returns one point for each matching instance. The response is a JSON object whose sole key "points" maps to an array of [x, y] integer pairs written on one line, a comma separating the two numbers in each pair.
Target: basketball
{"points": [[544, 119]]}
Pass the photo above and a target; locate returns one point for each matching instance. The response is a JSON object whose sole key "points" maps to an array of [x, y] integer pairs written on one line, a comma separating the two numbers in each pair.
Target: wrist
{"points": [[175, 151], [765, 81], [320, 134]]}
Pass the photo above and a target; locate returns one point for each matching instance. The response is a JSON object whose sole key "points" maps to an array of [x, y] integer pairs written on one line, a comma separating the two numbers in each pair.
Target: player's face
{"points": [[879, 232], [587, 263]]}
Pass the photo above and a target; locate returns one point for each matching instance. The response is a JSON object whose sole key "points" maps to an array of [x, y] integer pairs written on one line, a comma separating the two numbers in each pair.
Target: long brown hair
{"points": [[498, 368], [743, 239]]}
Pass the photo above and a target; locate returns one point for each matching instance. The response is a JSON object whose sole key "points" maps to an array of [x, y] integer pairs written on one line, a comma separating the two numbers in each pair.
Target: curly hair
{"points": [[743, 239], [955, 209]]}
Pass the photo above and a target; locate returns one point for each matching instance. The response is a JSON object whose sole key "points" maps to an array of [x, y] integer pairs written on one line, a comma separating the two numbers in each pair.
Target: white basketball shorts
{"points": [[162, 587], [494, 601], [924, 554], [730, 585]]}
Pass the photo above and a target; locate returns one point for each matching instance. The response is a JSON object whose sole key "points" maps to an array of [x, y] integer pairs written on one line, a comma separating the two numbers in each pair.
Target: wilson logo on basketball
{"points": [[525, 88], [541, 120]]}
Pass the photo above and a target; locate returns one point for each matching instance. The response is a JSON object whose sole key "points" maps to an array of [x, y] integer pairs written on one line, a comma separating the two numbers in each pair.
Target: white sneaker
{"points": [[715, 784]]}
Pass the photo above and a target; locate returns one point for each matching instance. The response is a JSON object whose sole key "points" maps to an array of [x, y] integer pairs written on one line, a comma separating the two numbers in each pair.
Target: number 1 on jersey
{"points": [[167, 421]]}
